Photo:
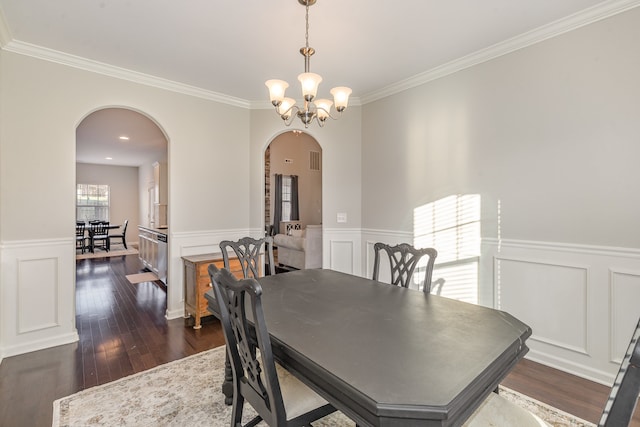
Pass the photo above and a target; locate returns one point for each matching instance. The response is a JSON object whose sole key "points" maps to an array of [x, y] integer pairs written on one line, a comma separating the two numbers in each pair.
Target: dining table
{"points": [[386, 355], [89, 232]]}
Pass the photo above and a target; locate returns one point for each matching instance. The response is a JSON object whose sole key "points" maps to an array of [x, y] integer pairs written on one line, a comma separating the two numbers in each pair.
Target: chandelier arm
{"points": [[293, 110], [329, 113]]}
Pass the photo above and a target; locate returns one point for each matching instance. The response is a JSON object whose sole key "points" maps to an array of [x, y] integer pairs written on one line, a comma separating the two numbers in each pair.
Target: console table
{"points": [[197, 282]]}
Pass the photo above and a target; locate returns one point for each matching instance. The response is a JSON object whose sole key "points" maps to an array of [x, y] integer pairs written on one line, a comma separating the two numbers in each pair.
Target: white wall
{"points": [[40, 107], [341, 182], [552, 133]]}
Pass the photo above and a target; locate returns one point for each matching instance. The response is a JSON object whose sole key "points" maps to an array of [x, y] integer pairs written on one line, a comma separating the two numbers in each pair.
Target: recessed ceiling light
{"points": [[124, 138], [108, 158]]}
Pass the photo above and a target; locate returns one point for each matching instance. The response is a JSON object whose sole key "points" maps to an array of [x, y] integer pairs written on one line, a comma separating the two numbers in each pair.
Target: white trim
{"points": [[14, 350], [553, 29], [565, 247], [389, 233], [578, 369], [596, 13], [19, 244], [224, 233], [51, 55]]}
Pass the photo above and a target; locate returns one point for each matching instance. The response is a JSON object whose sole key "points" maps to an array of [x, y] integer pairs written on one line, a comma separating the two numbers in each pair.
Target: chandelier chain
{"points": [[306, 33], [312, 108]]}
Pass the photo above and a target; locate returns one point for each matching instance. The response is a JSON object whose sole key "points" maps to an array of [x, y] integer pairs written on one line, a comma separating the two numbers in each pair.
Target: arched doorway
{"points": [[118, 147], [294, 154]]}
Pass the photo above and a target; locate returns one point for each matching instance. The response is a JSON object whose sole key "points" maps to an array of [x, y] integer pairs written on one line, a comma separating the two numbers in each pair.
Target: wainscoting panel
{"points": [[38, 290], [341, 250], [625, 297], [545, 295], [37, 295], [580, 301]]}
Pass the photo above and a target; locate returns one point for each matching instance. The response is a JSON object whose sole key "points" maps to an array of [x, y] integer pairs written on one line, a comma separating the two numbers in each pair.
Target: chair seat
{"points": [[496, 411], [298, 398]]}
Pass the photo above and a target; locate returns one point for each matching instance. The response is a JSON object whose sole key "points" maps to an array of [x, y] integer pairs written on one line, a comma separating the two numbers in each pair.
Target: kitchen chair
{"points": [[99, 235], [618, 411], [81, 240], [248, 252], [279, 398], [122, 236], [403, 259]]}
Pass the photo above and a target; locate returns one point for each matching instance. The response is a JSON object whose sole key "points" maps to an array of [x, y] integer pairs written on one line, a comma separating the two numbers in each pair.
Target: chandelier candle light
{"points": [[319, 109]]}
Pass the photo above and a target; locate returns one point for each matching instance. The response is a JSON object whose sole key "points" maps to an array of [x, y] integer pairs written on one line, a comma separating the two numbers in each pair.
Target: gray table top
{"points": [[384, 354]]}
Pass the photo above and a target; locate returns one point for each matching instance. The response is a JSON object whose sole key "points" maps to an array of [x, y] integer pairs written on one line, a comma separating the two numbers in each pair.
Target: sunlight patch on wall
{"points": [[452, 226]]}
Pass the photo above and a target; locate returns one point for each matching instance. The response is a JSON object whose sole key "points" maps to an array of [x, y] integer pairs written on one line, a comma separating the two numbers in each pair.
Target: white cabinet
{"points": [[161, 194], [153, 251]]}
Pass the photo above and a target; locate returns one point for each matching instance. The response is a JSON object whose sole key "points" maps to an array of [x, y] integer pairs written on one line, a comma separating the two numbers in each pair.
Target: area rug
{"points": [[186, 392], [103, 254], [141, 277]]}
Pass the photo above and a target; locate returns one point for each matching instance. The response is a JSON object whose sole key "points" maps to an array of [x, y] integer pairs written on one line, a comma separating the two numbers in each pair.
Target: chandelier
{"points": [[318, 109]]}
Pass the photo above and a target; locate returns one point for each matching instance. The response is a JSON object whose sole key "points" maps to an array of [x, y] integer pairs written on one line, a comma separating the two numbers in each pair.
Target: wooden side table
{"points": [[197, 282]]}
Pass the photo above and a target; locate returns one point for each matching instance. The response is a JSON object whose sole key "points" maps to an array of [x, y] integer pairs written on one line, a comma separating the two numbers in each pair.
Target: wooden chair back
{"points": [[403, 260], [254, 373], [248, 251]]}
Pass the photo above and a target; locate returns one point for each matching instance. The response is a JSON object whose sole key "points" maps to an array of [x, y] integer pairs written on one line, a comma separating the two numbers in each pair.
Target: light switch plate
{"points": [[341, 217]]}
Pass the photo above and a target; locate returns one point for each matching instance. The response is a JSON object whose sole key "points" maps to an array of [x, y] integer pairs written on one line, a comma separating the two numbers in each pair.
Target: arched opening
{"points": [[293, 183], [121, 177]]}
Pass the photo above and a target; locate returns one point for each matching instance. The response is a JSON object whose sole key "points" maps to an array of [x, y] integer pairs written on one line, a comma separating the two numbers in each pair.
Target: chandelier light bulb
{"points": [[276, 90], [311, 108], [310, 83], [284, 109], [341, 97], [323, 106]]}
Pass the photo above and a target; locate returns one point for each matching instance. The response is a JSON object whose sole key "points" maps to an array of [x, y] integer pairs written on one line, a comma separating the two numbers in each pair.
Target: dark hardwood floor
{"points": [[123, 331]]}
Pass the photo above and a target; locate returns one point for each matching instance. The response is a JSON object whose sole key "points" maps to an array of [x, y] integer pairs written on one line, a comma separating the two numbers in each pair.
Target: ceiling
{"points": [[226, 49], [98, 139]]}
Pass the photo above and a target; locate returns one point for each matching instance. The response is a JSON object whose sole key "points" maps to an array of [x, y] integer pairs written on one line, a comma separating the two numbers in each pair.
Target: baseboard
{"points": [[174, 314], [579, 370], [17, 349]]}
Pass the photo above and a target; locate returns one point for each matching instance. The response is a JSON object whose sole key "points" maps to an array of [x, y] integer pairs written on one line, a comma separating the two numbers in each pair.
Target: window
{"points": [[92, 202], [452, 226], [286, 198]]}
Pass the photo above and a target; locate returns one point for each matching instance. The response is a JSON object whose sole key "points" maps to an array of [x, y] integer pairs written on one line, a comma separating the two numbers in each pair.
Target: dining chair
{"points": [[403, 259], [81, 239], [248, 251], [279, 398], [122, 236], [618, 411], [99, 235]]}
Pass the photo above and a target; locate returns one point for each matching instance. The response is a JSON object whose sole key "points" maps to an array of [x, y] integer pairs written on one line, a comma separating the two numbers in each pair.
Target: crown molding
{"points": [[561, 26], [586, 17], [120, 73]]}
